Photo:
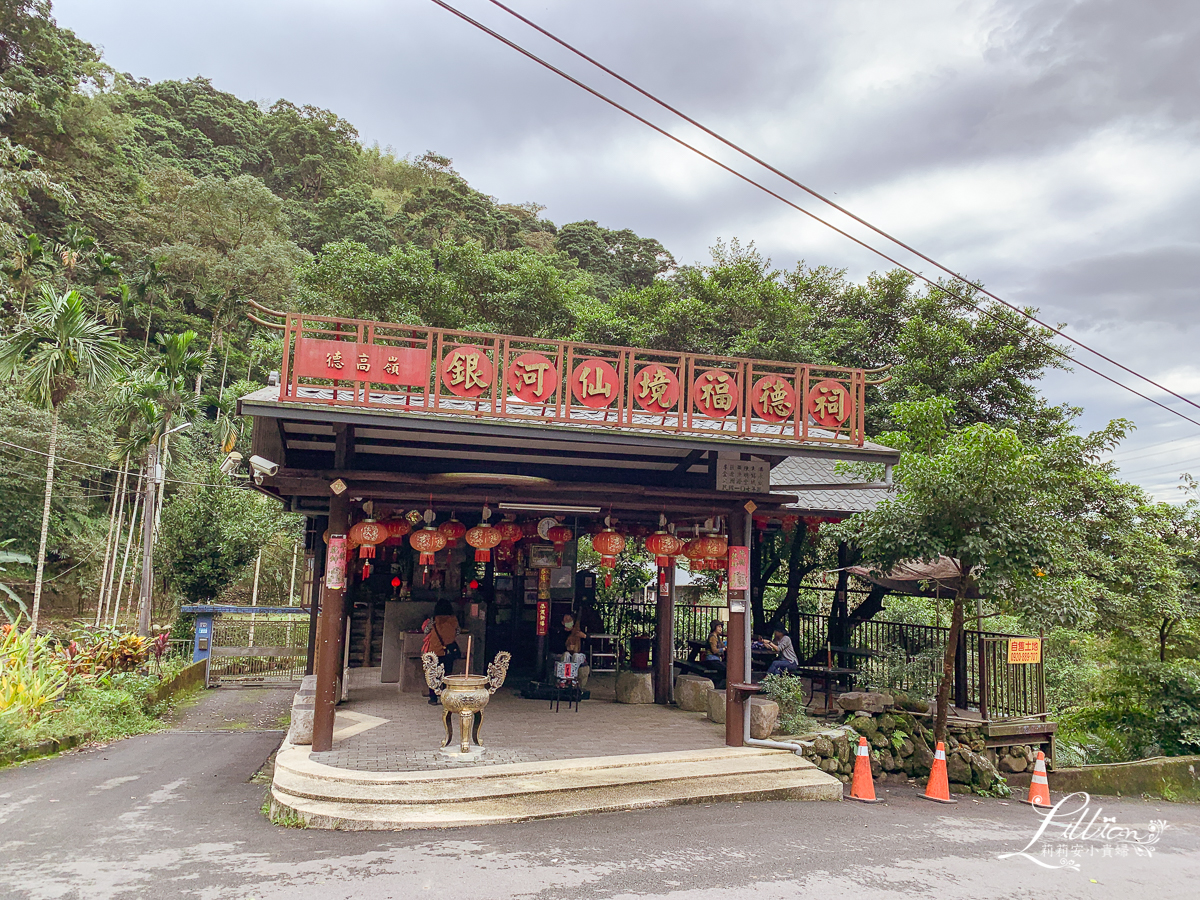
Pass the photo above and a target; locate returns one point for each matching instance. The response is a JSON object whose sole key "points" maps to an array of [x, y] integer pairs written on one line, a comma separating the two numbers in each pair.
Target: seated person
{"points": [[573, 652], [782, 644], [716, 642]]}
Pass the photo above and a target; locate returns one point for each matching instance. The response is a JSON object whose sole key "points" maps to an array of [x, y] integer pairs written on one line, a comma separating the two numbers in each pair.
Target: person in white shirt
{"points": [[782, 644]]}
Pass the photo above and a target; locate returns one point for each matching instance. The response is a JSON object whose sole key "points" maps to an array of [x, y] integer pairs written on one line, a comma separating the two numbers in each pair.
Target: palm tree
{"points": [[57, 349]]}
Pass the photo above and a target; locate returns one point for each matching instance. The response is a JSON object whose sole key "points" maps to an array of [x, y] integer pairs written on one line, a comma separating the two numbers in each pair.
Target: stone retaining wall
{"points": [[899, 731]]}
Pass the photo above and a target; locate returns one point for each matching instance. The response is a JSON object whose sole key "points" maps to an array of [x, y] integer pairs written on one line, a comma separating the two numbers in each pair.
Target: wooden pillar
{"points": [[737, 644], [664, 649], [329, 659]]}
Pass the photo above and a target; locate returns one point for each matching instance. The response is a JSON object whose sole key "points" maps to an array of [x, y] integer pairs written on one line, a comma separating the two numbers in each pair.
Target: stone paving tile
{"points": [[514, 730]]}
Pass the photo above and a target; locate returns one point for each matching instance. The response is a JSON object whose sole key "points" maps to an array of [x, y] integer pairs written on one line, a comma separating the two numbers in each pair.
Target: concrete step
{"points": [[326, 797]]}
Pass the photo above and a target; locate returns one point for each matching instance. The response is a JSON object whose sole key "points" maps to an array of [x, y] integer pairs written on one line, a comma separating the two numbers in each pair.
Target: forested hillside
{"points": [[168, 206]]}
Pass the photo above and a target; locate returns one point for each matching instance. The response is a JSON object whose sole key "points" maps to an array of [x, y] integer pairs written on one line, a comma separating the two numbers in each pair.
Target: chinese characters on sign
{"points": [[1025, 650], [739, 568], [467, 371], [543, 617], [533, 377], [749, 477], [656, 388], [773, 398], [829, 403], [346, 361], [335, 563], [715, 393], [595, 383]]}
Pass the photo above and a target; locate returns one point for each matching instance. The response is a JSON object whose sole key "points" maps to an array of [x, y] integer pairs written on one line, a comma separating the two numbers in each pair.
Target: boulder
{"points": [[691, 692], [879, 739], [985, 773], [635, 687], [856, 700], [715, 704], [863, 723], [1013, 764], [764, 714], [917, 706], [887, 722], [829, 765], [886, 761], [958, 767], [906, 747], [921, 761], [822, 746]]}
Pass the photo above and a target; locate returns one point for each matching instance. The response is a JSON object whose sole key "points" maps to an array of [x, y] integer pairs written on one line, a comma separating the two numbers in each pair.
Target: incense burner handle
{"points": [[497, 671], [435, 673]]}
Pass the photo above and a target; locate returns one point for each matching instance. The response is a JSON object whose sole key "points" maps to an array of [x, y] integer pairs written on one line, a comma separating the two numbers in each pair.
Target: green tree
{"points": [[58, 349], [978, 496], [616, 260]]}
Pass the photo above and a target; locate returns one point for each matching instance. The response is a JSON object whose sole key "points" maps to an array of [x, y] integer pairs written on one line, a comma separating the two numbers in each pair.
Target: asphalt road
{"points": [[175, 814]]}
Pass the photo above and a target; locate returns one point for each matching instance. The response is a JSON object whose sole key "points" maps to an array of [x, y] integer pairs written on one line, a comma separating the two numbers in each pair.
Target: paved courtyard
{"points": [[381, 729]]}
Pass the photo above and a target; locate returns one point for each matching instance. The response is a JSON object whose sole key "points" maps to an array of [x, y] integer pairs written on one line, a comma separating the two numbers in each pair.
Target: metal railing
{"points": [[906, 656], [258, 647], [353, 362]]}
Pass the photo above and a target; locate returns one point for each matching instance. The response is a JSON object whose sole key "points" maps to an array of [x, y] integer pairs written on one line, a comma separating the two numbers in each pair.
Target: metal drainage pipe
{"points": [[797, 748]]}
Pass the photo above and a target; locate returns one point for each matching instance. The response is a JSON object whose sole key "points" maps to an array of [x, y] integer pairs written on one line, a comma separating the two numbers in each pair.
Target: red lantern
{"points": [[396, 581], [427, 541], [695, 551], [483, 538], [453, 530], [716, 548], [608, 543], [663, 545], [367, 534], [560, 534], [510, 531], [396, 530]]}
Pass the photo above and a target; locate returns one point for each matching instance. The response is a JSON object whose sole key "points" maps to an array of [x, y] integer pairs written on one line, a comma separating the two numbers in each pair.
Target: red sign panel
{"points": [[335, 562], [533, 377], [655, 388], [773, 399], [715, 393], [828, 403], [594, 383], [467, 371], [346, 361], [543, 618], [739, 568]]}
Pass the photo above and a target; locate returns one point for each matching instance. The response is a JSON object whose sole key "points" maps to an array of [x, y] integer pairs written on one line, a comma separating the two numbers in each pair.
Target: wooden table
{"points": [[828, 673]]}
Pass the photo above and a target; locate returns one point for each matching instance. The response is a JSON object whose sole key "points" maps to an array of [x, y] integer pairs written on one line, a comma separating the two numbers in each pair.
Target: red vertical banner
{"points": [[335, 563], [543, 617], [739, 568], [664, 587]]}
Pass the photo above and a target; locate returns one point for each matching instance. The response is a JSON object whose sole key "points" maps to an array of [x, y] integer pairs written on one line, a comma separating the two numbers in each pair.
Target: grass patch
{"points": [[278, 816], [116, 709]]}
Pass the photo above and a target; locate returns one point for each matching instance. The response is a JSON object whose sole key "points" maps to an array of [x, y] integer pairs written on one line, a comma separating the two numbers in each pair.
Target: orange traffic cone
{"points": [[938, 788], [863, 786], [1039, 787]]}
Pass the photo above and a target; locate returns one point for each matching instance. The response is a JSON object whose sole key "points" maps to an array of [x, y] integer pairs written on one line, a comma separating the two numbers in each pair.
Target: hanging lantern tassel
{"points": [[367, 569], [483, 538]]}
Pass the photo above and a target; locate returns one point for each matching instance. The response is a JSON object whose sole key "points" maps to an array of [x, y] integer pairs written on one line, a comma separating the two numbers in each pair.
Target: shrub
{"points": [[788, 692]]}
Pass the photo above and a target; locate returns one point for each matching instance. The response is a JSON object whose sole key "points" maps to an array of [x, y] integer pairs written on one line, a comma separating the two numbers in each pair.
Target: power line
{"points": [[746, 153], [603, 97]]}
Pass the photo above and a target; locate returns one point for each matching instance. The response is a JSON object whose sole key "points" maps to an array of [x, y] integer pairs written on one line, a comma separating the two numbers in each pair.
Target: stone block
{"points": [[763, 716], [906, 747], [1013, 764], [958, 767], [715, 701], [985, 773], [635, 687], [879, 739], [865, 724], [887, 722], [823, 747], [886, 761], [921, 760], [300, 732], [691, 692], [856, 700]]}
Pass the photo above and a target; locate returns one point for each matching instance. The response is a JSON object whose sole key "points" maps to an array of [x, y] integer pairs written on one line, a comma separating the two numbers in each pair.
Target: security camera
{"points": [[261, 467], [231, 462]]}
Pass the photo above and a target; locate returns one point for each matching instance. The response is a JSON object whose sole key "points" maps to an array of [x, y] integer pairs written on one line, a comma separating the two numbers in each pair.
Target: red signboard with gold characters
{"points": [[407, 368]]}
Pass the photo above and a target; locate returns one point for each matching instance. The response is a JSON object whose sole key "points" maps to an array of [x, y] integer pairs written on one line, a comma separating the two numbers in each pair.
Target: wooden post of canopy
{"points": [[329, 659], [737, 642], [664, 653]]}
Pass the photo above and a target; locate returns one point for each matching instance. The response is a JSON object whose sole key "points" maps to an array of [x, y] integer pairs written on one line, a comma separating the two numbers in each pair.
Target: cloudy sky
{"points": [[1047, 147]]}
